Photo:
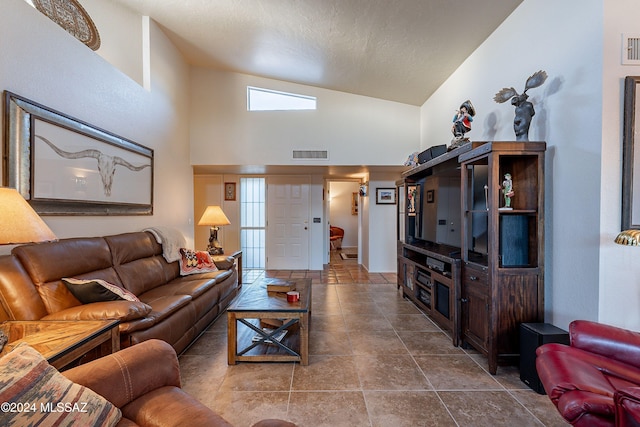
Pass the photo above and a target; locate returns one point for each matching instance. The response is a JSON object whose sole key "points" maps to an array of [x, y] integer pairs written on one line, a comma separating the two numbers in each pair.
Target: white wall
{"points": [[121, 36], [382, 242], [619, 266], [565, 40], [356, 130], [49, 66], [340, 215]]}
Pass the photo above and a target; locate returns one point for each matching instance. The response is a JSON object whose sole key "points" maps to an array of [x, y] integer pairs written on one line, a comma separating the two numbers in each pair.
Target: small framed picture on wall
{"points": [[385, 196], [230, 191]]}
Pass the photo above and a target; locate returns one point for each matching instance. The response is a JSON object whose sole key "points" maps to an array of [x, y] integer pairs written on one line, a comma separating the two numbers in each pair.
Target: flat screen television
{"points": [[438, 209]]}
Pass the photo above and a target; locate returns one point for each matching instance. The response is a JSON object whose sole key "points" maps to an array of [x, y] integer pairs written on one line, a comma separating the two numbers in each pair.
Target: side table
{"points": [[62, 342]]}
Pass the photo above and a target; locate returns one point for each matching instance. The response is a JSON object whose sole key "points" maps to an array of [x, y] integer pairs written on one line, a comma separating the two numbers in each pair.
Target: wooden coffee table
{"points": [[255, 308], [62, 342]]}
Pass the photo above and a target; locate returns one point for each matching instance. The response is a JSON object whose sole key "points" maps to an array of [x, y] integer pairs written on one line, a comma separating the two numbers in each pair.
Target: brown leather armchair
{"points": [[595, 380], [144, 382]]}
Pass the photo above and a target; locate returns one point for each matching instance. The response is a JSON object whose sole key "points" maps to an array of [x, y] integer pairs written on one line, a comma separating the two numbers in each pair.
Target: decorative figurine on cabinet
{"points": [[524, 108], [462, 124], [507, 192]]}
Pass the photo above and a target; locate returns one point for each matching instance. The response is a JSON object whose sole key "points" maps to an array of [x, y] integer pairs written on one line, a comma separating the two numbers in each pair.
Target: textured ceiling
{"points": [[400, 50]]}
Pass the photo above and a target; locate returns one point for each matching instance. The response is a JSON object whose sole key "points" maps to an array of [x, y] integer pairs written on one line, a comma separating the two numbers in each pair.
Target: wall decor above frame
{"points": [[71, 16], [630, 156], [64, 166]]}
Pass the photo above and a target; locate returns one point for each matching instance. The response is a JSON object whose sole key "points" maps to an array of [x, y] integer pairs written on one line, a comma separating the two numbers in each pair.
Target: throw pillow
{"points": [[192, 262], [33, 392], [97, 290]]}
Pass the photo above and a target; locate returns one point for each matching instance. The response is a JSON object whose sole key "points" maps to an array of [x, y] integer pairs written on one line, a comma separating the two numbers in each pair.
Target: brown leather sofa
{"points": [[144, 382], [172, 308]]}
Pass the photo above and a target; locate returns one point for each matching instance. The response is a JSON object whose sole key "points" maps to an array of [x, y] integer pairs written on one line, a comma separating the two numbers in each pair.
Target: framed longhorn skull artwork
{"points": [[64, 166]]}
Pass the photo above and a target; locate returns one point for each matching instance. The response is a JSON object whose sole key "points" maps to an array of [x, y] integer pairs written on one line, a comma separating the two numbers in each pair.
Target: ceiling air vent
{"points": [[631, 49], [310, 155]]}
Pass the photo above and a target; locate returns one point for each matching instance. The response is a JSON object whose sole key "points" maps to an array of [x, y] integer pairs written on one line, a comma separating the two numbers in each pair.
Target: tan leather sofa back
{"points": [[137, 258], [18, 298], [47, 263]]}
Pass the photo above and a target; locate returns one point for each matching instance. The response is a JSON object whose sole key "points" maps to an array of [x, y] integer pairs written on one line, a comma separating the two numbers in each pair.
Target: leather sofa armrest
{"points": [[606, 340], [627, 401], [124, 376], [118, 310], [223, 262]]}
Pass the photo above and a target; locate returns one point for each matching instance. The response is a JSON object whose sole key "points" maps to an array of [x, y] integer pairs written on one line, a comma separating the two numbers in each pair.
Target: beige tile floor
{"points": [[375, 360]]}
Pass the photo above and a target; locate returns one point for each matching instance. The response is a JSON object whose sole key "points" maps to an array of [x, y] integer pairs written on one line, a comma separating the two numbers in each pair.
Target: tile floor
{"points": [[375, 360]]}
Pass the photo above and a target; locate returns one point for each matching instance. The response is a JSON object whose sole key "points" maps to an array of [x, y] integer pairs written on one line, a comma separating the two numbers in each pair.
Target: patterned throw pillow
{"points": [[97, 290], [33, 392], [193, 262]]}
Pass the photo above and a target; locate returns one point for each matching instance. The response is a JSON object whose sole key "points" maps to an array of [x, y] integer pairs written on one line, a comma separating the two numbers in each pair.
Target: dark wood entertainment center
{"points": [[476, 268]]}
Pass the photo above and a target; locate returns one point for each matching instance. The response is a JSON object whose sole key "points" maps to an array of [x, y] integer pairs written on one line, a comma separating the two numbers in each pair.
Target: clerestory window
{"points": [[259, 99]]}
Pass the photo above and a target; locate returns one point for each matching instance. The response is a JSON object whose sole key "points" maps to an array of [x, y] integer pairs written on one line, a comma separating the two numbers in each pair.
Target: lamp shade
{"points": [[19, 223], [629, 238], [214, 216]]}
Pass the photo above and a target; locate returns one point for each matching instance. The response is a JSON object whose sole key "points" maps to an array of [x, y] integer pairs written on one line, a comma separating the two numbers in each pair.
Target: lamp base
{"points": [[214, 247], [215, 251]]}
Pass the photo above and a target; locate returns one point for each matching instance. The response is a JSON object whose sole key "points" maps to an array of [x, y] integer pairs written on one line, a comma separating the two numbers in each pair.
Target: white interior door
{"points": [[288, 223]]}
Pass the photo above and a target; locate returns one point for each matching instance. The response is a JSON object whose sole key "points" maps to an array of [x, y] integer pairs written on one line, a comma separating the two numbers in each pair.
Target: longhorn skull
{"points": [[106, 164]]}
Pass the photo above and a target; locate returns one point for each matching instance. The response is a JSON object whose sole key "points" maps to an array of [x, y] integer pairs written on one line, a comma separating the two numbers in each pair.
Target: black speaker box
{"points": [[532, 336], [431, 153]]}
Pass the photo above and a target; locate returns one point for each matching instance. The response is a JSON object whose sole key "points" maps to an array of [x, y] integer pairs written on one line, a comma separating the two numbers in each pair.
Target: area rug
{"points": [[348, 256]]}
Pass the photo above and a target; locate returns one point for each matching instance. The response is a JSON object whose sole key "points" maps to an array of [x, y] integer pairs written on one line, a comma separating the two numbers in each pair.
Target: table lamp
{"points": [[19, 223], [628, 238], [214, 217]]}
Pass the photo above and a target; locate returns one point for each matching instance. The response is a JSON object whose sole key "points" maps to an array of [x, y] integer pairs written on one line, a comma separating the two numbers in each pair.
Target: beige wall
{"points": [[42, 62], [356, 130]]}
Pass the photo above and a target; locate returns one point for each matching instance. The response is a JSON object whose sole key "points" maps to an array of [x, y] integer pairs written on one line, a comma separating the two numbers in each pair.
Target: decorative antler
{"points": [[535, 80], [505, 94]]}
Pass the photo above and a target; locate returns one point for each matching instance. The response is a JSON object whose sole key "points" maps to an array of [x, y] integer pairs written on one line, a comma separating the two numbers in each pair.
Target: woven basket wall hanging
{"points": [[71, 16]]}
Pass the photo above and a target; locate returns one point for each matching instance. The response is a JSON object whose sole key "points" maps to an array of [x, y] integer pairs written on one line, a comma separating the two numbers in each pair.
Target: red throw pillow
{"points": [[193, 262]]}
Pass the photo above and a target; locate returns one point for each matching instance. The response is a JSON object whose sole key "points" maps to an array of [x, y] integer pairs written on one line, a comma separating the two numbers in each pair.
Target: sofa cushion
{"points": [[96, 290], [163, 303], [37, 389], [194, 262]]}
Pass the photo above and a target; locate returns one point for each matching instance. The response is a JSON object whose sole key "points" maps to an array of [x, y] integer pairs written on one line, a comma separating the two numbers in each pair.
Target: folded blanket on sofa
{"points": [[171, 240]]}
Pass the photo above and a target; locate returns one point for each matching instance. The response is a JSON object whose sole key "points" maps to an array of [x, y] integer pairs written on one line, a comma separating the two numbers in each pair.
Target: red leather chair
{"points": [[594, 381], [336, 234]]}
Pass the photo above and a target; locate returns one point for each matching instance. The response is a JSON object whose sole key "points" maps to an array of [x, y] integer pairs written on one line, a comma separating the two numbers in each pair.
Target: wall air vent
{"points": [[631, 49], [310, 155]]}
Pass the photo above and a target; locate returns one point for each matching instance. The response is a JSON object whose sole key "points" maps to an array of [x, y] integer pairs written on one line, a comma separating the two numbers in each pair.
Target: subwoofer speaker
{"points": [[532, 336]]}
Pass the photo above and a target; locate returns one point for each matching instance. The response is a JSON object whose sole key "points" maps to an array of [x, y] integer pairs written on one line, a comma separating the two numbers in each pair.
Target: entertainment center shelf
{"points": [[469, 257]]}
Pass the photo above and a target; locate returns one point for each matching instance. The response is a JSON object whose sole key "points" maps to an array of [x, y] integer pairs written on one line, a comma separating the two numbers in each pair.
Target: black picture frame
{"points": [[431, 196], [385, 196]]}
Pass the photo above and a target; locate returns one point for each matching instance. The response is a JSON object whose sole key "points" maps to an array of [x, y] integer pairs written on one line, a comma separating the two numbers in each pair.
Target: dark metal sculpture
{"points": [[524, 108]]}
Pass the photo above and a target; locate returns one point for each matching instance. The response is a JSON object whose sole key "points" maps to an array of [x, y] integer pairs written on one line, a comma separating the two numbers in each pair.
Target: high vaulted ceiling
{"points": [[399, 50]]}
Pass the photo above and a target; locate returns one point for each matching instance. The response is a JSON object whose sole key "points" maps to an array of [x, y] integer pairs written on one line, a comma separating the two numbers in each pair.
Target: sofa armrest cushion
{"points": [[124, 376], [38, 389], [170, 406], [117, 310], [577, 404], [606, 340], [223, 262], [627, 401], [561, 372]]}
